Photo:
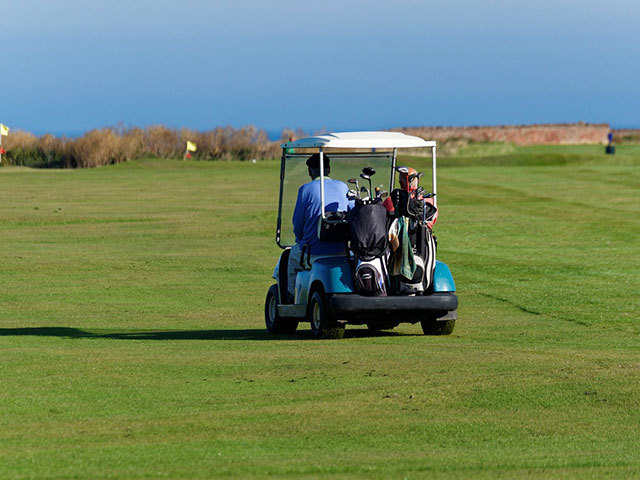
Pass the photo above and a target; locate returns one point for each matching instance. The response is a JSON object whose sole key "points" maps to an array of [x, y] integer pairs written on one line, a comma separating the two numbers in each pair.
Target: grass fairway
{"points": [[132, 341]]}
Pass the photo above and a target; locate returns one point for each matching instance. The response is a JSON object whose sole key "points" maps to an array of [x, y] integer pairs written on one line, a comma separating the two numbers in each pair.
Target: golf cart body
{"points": [[326, 287]]}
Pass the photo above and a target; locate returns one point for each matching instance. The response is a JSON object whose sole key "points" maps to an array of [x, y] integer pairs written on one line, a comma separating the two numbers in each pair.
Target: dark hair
{"points": [[313, 162]]}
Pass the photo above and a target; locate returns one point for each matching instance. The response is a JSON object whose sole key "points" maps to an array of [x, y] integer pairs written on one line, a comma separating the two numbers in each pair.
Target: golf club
{"points": [[355, 182], [369, 172], [364, 176], [367, 196]]}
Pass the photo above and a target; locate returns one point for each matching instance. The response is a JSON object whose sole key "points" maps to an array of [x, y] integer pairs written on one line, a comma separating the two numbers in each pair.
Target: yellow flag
{"points": [[191, 147], [4, 130]]}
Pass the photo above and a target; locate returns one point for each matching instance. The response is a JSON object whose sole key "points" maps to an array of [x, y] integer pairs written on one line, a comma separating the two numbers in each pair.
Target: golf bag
{"points": [[418, 215], [370, 277], [428, 242], [369, 242], [423, 255], [368, 230], [405, 205]]}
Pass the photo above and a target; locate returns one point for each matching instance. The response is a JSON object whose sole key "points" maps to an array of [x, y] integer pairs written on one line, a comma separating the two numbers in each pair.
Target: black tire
{"points": [[274, 322], [323, 324], [431, 326]]}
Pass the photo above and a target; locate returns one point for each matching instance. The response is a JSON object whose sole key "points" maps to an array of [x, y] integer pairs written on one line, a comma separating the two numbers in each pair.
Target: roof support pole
{"points": [[283, 161], [393, 171], [322, 180], [434, 186]]}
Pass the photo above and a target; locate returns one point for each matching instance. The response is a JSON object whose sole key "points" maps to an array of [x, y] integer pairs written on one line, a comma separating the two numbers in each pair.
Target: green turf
{"points": [[132, 341]]}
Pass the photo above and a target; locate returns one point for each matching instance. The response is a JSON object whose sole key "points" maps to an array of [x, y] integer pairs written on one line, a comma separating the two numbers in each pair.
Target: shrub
{"points": [[27, 150], [162, 142], [627, 137], [120, 144]]}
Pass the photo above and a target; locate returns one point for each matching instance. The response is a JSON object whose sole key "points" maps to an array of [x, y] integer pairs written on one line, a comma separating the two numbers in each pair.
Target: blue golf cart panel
{"points": [[442, 278], [302, 286], [333, 272]]}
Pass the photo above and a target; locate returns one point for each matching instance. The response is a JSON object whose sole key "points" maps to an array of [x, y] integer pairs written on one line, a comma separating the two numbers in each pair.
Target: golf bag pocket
{"points": [[370, 278], [368, 230], [413, 285]]}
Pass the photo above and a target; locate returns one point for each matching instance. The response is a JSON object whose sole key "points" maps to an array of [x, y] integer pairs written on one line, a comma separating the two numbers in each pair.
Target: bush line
{"points": [[111, 145]]}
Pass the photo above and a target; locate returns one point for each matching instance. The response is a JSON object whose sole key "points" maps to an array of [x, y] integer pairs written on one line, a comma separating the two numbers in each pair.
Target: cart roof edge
{"points": [[361, 140]]}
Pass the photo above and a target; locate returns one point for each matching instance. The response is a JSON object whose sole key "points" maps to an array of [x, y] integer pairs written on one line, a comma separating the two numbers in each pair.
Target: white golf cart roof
{"points": [[361, 140]]}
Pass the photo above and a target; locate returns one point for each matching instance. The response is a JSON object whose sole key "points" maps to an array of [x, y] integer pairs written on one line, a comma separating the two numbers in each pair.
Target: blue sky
{"points": [[71, 65]]}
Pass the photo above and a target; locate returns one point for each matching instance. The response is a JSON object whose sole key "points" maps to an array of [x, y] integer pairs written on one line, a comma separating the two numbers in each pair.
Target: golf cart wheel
{"points": [[431, 326], [275, 323], [323, 324]]}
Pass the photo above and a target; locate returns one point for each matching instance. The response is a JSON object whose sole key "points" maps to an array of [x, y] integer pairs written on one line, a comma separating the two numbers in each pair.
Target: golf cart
{"points": [[326, 292]]}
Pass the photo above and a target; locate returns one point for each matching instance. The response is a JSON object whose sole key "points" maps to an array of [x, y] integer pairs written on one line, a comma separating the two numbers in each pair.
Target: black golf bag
{"points": [[369, 241], [405, 206]]}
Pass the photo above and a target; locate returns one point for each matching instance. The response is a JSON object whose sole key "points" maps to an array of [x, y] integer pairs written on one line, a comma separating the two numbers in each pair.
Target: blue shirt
{"points": [[309, 210]]}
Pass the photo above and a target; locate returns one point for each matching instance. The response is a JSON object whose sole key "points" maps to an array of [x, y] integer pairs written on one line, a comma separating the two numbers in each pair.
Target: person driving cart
{"points": [[307, 212]]}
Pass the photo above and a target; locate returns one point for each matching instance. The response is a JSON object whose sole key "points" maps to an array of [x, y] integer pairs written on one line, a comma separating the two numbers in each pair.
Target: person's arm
{"points": [[299, 216]]}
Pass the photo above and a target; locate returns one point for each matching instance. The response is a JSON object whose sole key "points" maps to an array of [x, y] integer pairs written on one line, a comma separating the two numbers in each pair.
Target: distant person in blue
{"points": [[308, 212], [610, 149]]}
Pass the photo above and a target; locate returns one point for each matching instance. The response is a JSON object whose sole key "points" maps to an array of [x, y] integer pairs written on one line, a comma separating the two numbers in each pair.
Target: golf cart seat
{"points": [[334, 227]]}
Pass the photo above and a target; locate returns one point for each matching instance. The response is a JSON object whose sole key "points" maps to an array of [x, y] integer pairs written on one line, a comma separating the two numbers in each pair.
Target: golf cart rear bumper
{"points": [[359, 304]]}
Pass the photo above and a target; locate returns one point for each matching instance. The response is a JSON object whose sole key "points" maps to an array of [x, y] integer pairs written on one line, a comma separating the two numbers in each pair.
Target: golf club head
{"points": [[365, 176], [367, 194], [352, 180], [369, 171]]}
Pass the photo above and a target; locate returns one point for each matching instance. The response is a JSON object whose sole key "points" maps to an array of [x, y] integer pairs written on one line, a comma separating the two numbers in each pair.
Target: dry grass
{"points": [[112, 145]]}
